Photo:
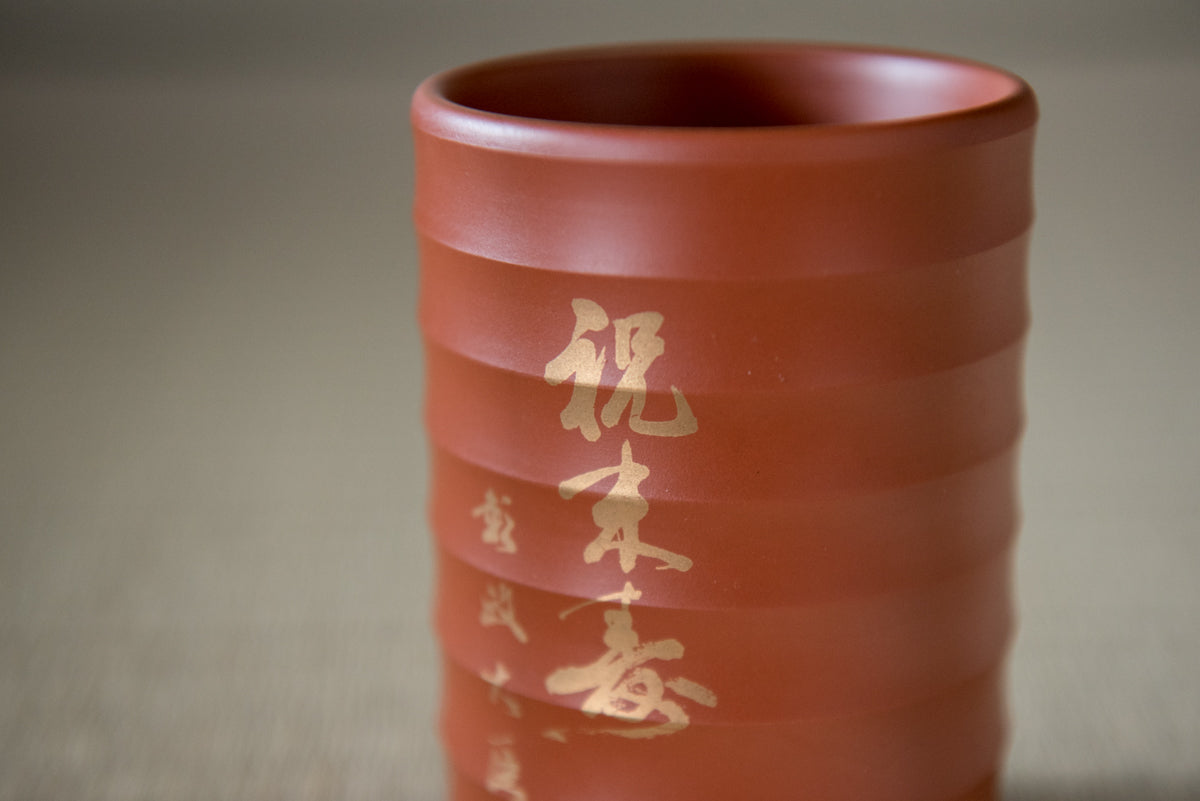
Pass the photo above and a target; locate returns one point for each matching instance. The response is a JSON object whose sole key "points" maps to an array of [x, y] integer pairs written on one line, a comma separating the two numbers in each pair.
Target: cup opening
{"points": [[728, 87]]}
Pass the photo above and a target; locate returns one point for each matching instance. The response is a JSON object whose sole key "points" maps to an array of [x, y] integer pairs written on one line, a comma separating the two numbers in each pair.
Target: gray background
{"points": [[214, 564]]}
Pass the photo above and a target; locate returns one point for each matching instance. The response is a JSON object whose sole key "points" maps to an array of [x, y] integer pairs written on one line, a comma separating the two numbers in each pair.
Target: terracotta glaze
{"points": [[723, 348]]}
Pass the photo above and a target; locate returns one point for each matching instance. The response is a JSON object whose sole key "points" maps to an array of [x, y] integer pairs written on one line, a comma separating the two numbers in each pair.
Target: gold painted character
{"points": [[618, 514], [497, 610], [504, 770], [581, 360], [622, 686], [637, 345], [497, 524], [497, 677]]}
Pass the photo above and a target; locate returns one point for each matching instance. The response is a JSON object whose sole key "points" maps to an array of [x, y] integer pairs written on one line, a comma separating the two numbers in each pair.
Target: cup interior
{"points": [[728, 87]]}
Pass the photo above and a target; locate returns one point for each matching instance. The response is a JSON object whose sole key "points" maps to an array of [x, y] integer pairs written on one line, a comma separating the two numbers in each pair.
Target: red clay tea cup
{"points": [[723, 367]]}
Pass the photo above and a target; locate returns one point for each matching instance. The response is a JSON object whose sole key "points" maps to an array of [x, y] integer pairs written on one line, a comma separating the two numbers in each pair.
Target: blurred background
{"points": [[214, 560]]}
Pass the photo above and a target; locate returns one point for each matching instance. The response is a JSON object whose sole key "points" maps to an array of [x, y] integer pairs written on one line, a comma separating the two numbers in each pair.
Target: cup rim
{"points": [[1010, 106]]}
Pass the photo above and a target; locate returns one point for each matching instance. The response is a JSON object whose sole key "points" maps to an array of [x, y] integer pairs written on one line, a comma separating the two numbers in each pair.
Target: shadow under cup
{"points": [[723, 365]]}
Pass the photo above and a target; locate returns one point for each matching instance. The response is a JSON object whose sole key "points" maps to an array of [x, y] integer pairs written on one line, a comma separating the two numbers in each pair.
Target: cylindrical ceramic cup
{"points": [[723, 364]]}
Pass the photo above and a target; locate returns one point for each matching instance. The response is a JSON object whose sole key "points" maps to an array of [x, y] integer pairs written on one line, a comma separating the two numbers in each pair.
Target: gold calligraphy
{"points": [[622, 685], [504, 770], [497, 523], [497, 677], [636, 345], [497, 610], [618, 514]]}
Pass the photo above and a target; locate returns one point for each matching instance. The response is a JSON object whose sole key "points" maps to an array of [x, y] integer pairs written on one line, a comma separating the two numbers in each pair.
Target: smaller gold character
{"points": [[497, 523], [504, 770], [497, 610], [497, 677]]}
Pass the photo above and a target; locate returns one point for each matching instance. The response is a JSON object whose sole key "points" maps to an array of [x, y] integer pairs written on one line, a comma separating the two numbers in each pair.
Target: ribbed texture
{"points": [[723, 470]]}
